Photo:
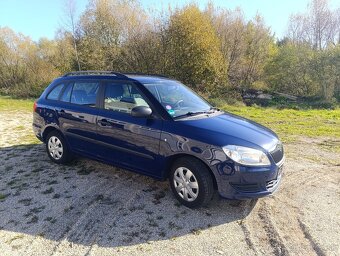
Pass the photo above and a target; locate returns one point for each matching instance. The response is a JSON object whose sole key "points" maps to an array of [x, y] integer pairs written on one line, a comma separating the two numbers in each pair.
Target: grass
{"points": [[9, 104], [20, 236], [2, 197], [290, 123]]}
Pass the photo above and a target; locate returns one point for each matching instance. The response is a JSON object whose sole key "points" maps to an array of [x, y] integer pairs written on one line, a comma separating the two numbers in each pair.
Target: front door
{"points": [[125, 140]]}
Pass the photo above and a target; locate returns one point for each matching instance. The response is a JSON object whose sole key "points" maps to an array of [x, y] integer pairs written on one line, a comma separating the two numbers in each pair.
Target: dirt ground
{"points": [[89, 208]]}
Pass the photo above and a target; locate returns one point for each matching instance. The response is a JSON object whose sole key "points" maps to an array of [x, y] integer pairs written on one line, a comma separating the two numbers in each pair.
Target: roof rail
{"points": [[143, 74], [95, 72]]}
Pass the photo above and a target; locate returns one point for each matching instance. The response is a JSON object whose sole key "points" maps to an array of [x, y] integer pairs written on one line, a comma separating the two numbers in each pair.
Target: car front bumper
{"points": [[240, 182]]}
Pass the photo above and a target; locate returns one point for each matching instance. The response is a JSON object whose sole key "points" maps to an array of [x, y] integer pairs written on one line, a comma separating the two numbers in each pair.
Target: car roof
{"points": [[110, 75], [147, 78]]}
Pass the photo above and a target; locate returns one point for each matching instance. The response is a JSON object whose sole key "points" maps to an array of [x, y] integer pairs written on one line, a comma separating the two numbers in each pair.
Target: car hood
{"points": [[228, 129]]}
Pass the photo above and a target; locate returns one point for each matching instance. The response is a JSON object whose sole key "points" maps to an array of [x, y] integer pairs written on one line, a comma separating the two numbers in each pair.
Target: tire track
{"points": [[287, 213], [245, 229], [275, 241], [248, 238], [318, 250], [296, 180]]}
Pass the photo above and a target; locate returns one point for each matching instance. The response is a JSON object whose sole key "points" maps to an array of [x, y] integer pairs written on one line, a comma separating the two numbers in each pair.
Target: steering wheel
{"points": [[177, 104]]}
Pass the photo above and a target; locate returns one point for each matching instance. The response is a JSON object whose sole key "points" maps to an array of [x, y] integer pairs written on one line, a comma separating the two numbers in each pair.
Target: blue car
{"points": [[158, 127]]}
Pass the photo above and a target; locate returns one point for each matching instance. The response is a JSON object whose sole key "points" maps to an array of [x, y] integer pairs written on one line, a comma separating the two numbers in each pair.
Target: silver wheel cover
{"points": [[55, 148], [186, 184]]}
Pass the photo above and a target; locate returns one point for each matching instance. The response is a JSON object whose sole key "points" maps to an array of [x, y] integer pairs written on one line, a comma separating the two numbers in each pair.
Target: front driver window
{"points": [[123, 97]]}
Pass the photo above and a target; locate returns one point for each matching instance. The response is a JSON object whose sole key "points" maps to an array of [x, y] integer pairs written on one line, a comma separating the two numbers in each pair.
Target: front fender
{"points": [[173, 146]]}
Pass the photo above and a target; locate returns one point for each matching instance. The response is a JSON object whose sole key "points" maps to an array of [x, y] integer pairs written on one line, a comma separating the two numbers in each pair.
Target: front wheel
{"points": [[57, 148], [191, 182]]}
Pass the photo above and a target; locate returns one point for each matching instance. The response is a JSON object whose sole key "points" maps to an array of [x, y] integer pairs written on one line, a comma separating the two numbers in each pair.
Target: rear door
{"points": [[126, 140], [78, 113]]}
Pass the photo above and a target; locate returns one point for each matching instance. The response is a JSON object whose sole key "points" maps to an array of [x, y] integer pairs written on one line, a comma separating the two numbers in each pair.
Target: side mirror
{"points": [[141, 111]]}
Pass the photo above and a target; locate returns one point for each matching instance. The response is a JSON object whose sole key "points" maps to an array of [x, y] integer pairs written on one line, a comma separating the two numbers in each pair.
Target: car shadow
{"points": [[88, 202]]}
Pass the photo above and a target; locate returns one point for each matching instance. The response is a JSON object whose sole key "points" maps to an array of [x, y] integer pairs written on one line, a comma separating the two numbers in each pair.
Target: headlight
{"points": [[246, 156]]}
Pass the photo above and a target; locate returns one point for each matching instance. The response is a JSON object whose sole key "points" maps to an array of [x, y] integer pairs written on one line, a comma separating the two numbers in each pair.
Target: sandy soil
{"points": [[89, 208]]}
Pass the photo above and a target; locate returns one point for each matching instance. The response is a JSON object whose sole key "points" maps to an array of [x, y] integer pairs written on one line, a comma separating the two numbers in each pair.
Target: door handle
{"points": [[62, 112], [104, 122]]}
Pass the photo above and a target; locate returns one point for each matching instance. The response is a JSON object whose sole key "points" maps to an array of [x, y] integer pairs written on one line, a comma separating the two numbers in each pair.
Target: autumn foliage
{"points": [[215, 50]]}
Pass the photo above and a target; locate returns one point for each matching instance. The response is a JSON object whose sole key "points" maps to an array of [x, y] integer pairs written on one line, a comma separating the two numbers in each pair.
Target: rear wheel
{"points": [[191, 182], [57, 148]]}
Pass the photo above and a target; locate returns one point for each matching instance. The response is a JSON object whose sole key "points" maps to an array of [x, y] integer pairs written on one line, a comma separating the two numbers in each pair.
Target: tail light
{"points": [[35, 106]]}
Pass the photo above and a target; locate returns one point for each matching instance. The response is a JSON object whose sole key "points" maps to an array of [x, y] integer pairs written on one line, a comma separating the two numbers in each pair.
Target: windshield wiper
{"points": [[193, 114], [214, 109]]}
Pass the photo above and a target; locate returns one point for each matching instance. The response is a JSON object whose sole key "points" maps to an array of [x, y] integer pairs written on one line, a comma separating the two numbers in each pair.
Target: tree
{"points": [[326, 71], [140, 49], [142, 53], [337, 26], [105, 27], [290, 70], [230, 27], [194, 54], [318, 27], [246, 46], [70, 24], [64, 58], [259, 49], [25, 68], [98, 35]]}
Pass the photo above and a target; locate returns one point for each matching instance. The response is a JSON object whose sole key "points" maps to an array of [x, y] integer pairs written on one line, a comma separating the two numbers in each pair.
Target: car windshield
{"points": [[178, 100]]}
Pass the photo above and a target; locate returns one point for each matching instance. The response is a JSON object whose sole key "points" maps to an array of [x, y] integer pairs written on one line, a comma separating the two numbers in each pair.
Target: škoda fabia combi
{"points": [[158, 127]]}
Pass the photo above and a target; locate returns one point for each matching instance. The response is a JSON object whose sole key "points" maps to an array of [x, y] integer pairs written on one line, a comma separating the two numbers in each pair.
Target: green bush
{"points": [[23, 91], [221, 101]]}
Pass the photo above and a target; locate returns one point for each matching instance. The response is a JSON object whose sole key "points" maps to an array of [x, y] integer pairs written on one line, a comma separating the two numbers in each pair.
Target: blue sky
{"points": [[41, 18]]}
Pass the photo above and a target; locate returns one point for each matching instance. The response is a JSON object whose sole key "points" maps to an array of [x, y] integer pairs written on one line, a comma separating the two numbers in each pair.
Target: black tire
{"points": [[201, 176], [58, 138]]}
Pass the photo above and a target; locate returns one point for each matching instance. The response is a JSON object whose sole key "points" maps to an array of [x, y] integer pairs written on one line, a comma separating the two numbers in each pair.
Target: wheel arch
{"points": [[171, 159], [48, 130]]}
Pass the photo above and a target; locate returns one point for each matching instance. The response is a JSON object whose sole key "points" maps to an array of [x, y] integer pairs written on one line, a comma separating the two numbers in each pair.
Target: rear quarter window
{"points": [[54, 93]]}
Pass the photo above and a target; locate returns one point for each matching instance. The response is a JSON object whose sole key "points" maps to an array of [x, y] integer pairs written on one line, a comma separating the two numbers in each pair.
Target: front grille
{"points": [[246, 188], [271, 184], [254, 188], [277, 153]]}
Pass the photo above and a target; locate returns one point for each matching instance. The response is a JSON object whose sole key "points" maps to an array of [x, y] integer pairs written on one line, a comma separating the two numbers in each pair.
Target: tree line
{"points": [[216, 51]]}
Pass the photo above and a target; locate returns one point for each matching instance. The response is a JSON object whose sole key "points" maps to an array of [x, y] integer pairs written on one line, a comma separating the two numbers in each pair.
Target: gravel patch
{"points": [[89, 208]]}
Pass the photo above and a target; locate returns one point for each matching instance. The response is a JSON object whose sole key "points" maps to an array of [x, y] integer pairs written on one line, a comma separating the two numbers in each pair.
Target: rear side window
{"points": [[54, 94], [84, 93]]}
